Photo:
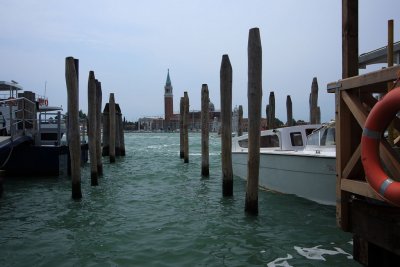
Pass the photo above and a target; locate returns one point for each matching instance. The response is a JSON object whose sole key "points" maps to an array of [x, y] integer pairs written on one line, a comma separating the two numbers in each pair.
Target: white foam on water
{"points": [[317, 253], [281, 262]]}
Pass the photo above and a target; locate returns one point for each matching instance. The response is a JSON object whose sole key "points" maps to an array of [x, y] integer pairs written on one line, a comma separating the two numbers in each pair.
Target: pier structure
{"points": [[360, 209]]}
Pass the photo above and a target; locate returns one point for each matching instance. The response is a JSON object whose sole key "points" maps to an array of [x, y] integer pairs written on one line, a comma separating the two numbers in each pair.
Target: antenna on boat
{"points": [[45, 88]]}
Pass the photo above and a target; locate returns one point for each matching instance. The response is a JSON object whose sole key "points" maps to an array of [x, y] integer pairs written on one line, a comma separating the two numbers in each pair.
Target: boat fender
{"points": [[377, 121]]}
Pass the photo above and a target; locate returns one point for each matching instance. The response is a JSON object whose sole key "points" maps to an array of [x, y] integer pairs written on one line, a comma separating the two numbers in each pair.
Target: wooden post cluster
{"points": [[240, 121], [271, 111], [92, 109], [226, 125], [115, 132], [112, 130], [72, 78], [315, 113], [205, 101], [289, 111], [181, 133], [254, 95], [186, 128]]}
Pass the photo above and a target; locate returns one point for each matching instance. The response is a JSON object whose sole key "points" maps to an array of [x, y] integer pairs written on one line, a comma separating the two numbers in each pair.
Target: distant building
{"points": [[171, 120], [168, 102]]}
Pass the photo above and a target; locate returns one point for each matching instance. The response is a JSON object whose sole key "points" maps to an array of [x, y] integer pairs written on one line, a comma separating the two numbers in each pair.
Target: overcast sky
{"points": [[131, 44]]}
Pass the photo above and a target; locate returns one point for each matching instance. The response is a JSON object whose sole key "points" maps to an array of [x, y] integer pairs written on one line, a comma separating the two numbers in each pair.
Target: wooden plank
{"points": [[390, 159], [356, 107], [361, 188], [343, 153], [369, 80], [351, 164]]}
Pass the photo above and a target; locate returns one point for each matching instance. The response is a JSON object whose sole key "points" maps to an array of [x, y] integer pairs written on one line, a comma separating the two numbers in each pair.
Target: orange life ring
{"points": [[377, 121]]}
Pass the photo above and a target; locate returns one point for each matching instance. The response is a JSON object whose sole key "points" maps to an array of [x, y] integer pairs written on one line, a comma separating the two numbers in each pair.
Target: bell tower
{"points": [[168, 101]]}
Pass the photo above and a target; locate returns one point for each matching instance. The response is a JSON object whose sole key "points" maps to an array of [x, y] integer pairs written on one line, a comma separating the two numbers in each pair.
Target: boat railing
{"points": [[17, 117]]}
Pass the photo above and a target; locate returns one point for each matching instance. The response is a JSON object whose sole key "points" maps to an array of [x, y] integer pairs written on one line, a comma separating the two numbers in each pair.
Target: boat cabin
{"points": [[288, 138]]}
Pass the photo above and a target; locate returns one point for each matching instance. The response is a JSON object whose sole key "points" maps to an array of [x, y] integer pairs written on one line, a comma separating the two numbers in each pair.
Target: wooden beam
{"points": [[351, 164], [361, 188], [356, 107], [390, 159], [349, 38], [377, 79]]}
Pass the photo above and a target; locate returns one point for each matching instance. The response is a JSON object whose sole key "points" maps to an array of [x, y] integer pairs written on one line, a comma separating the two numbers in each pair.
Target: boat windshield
{"points": [[265, 141], [322, 137]]}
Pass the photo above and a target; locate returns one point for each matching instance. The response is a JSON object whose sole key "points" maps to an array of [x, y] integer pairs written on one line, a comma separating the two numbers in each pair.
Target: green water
{"points": [[151, 209]]}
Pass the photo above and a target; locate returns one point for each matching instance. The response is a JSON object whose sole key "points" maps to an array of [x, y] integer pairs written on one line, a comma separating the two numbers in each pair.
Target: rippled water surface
{"points": [[151, 209]]}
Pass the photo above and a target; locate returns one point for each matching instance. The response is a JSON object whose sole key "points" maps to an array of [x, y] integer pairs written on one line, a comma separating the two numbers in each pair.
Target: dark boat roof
{"points": [[49, 108], [7, 86]]}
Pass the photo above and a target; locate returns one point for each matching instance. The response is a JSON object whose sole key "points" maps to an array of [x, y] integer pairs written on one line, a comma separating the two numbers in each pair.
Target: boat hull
{"points": [[309, 176]]}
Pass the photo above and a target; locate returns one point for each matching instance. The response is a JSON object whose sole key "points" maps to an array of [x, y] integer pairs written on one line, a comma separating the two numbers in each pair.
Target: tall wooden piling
{"points": [[181, 133], [186, 128], [120, 133], [112, 129], [240, 121], [117, 130], [71, 77], [92, 99], [271, 111], [226, 126], [315, 113], [254, 102], [391, 133], [106, 130], [98, 128], [289, 111], [205, 101]]}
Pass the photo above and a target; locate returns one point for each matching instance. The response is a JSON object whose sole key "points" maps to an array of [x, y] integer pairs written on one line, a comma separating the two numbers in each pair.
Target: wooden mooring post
{"points": [[315, 113], [72, 78], [112, 129], [240, 121], [254, 95], [181, 133], [186, 128], [120, 133], [205, 101], [106, 130], [98, 128], [271, 111], [289, 111], [226, 126], [359, 209], [92, 99]]}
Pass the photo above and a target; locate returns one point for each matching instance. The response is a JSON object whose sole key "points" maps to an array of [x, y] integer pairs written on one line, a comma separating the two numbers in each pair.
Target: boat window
{"points": [[244, 143], [296, 139], [265, 141], [313, 139], [328, 137], [269, 141]]}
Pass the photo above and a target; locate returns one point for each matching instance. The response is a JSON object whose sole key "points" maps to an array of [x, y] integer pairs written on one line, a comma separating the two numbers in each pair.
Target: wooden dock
{"points": [[360, 210]]}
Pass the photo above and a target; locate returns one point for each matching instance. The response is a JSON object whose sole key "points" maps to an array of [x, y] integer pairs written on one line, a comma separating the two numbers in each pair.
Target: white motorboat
{"points": [[298, 160]]}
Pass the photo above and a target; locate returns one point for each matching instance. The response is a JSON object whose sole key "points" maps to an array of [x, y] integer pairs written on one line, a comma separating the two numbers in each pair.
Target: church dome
{"points": [[211, 107]]}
